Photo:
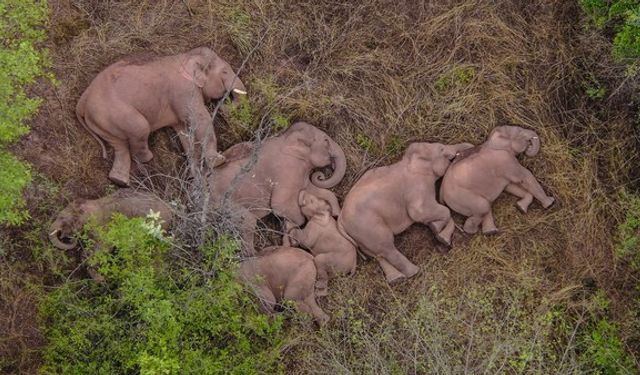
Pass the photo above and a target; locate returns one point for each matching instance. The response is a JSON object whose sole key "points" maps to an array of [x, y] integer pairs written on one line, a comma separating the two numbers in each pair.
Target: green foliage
{"points": [[365, 142], [157, 314], [628, 235], [624, 17], [456, 77], [21, 63]]}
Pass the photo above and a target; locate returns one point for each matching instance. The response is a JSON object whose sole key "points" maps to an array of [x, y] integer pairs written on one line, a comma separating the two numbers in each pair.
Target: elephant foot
{"points": [[443, 240], [322, 292], [523, 206], [395, 278], [412, 270], [144, 156], [490, 232], [119, 179], [470, 226], [216, 160], [548, 202]]}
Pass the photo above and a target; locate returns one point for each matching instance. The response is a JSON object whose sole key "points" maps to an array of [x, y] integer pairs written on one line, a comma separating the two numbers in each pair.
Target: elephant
{"points": [[475, 180], [270, 178], [283, 273], [129, 99], [386, 200], [334, 254], [128, 202]]}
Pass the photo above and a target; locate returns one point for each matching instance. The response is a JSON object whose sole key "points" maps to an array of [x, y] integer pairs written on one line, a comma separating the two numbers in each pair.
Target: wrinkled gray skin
{"points": [[333, 253], [473, 182], [281, 273], [129, 99], [387, 200], [285, 166], [125, 201]]}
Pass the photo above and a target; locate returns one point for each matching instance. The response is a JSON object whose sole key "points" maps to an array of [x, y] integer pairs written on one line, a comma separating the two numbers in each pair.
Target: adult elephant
{"points": [[129, 99], [280, 168], [476, 179], [387, 200]]}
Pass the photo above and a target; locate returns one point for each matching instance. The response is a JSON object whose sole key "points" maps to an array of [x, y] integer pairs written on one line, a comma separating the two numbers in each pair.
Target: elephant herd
{"points": [[283, 176]]}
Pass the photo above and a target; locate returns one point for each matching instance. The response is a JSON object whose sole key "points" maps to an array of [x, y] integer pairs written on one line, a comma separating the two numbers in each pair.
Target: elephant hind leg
{"points": [[121, 168], [267, 299], [479, 207], [310, 306]]}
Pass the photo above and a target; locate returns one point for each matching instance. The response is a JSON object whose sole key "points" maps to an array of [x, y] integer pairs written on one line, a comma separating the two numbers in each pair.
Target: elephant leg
{"points": [[323, 265], [267, 299], [310, 306], [140, 148], [525, 197], [445, 234], [392, 275], [121, 168], [532, 185], [434, 215], [248, 222], [488, 225], [472, 224]]}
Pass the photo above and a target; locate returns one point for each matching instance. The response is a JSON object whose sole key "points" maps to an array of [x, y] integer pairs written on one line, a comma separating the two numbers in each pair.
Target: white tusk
{"points": [[534, 137], [239, 92], [54, 232]]}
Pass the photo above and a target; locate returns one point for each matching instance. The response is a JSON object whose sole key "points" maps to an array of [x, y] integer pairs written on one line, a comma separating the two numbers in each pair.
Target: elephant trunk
{"points": [[338, 164], [236, 86], [534, 146], [54, 236]]}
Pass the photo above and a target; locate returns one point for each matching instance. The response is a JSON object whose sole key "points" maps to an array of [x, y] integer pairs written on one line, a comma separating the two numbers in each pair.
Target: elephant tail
{"points": [[80, 114], [344, 233]]}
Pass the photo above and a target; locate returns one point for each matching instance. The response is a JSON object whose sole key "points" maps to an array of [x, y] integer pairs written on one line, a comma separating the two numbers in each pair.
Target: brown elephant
{"points": [[475, 180], [271, 180], [281, 273], [387, 200], [334, 254], [125, 201], [129, 99]]}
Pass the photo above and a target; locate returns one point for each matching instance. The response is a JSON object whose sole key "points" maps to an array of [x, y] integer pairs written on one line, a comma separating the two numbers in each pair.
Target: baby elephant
{"points": [[334, 254], [125, 201], [387, 200], [475, 180], [283, 273]]}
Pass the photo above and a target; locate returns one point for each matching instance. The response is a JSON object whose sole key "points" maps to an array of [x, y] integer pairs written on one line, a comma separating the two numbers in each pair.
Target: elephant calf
{"points": [[474, 181], [281, 273], [387, 200], [334, 254], [125, 201]]}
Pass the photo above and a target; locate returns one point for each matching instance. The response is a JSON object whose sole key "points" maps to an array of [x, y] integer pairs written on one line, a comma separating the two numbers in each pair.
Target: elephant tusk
{"points": [[239, 92], [54, 232], [534, 137]]}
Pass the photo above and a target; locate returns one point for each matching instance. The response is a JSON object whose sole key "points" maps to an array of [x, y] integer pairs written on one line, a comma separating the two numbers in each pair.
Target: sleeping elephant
{"points": [[475, 180], [281, 167], [387, 200], [281, 273], [125, 201], [333, 253], [130, 99]]}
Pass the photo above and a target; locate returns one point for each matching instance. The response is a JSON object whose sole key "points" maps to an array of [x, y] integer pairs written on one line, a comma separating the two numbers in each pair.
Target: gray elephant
{"points": [[282, 273], [129, 99], [284, 165], [476, 179], [387, 200], [125, 201]]}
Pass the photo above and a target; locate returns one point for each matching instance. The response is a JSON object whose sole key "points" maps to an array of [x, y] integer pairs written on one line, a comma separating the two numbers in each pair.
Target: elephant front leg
{"points": [[525, 197], [437, 217], [528, 181]]}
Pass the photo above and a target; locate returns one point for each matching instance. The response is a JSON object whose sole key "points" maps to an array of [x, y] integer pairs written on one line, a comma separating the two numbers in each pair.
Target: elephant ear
{"points": [[417, 156], [297, 145], [196, 69]]}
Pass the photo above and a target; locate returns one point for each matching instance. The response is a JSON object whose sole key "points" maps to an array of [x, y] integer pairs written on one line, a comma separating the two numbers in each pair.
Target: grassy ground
{"points": [[377, 76]]}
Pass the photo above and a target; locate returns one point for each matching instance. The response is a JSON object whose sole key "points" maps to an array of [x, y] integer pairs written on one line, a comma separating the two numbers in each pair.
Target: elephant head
{"points": [[69, 221], [432, 158], [212, 74], [307, 142], [514, 139], [310, 205]]}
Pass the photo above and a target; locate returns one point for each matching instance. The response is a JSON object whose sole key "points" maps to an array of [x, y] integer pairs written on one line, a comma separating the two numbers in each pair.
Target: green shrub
{"points": [[156, 313], [627, 236], [21, 63], [624, 17]]}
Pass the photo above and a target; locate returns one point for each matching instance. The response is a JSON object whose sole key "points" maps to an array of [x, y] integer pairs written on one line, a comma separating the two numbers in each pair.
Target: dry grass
{"points": [[376, 76]]}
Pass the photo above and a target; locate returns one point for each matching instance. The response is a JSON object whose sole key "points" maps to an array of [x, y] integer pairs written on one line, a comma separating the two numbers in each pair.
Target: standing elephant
{"points": [[129, 99], [333, 253], [282, 167], [387, 200], [125, 201], [474, 181], [283, 273]]}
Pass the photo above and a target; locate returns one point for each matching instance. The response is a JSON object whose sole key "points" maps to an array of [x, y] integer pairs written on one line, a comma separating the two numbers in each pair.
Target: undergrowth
{"points": [[156, 314], [624, 17]]}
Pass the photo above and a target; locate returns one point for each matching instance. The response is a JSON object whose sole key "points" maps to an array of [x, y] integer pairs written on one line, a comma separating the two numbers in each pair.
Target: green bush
{"points": [[157, 313], [21, 63], [624, 17]]}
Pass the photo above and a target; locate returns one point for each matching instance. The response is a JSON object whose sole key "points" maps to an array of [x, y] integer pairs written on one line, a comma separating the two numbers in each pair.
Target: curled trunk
{"points": [[54, 237], [338, 165], [534, 146]]}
